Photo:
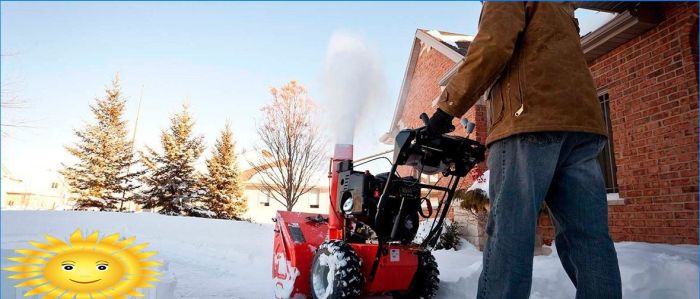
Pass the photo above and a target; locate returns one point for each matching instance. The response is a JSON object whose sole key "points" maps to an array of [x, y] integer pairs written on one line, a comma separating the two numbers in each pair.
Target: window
{"points": [[265, 198], [314, 199], [607, 157], [54, 185], [429, 179]]}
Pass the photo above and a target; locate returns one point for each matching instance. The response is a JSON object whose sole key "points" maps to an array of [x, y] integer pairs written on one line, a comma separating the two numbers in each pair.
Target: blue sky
{"points": [[219, 57]]}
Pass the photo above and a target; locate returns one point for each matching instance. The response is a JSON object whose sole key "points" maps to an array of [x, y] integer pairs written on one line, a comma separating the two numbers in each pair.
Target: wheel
{"points": [[336, 272], [426, 282]]}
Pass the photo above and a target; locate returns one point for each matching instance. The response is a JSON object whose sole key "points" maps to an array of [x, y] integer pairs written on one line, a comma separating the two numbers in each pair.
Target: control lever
{"points": [[469, 126], [424, 117], [464, 122]]}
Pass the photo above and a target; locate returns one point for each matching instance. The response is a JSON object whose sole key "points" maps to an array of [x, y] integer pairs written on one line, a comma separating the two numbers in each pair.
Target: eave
{"points": [[621, 29]]}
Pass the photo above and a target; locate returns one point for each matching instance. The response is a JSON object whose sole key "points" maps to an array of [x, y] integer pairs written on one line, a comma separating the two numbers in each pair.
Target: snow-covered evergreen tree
{"points": [[104, 176], [223, 182], [174, 186]]}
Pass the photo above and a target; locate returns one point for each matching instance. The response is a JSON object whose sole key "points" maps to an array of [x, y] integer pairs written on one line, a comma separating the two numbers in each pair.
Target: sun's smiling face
{"points": [[86, 267], [84, 270]]}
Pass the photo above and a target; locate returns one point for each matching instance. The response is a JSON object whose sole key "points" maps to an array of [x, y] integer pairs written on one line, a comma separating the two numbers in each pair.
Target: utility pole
{"points": [[133, 140]]}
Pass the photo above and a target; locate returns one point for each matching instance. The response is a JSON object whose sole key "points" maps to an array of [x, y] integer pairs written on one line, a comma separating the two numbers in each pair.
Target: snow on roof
{"points": [[458, 42]]}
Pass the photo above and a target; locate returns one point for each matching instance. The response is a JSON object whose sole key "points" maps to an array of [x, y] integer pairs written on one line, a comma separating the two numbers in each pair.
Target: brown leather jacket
{"points": [[529, 54]]}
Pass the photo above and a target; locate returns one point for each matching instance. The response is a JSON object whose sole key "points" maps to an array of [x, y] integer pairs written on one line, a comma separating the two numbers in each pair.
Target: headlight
{"points": [[347, 205]]}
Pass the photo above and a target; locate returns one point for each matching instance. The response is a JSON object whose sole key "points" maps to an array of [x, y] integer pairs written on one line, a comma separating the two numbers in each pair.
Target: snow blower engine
{"points": [[368, 244]]}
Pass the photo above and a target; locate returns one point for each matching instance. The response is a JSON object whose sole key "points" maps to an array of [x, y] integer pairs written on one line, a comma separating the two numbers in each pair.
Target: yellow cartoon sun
{"points": [[85, 267]]}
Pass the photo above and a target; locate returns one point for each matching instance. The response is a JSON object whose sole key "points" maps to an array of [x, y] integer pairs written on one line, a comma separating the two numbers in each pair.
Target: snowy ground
{"points": [[225, 259]]}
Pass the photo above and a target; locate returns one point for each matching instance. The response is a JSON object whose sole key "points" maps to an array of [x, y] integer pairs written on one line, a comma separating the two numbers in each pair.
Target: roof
{"points": [[457, 42], [251, 176]]}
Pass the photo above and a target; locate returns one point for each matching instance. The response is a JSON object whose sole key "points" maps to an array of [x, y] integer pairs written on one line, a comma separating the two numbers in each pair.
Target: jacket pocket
{"points": [[496, 105], [520, 85]]}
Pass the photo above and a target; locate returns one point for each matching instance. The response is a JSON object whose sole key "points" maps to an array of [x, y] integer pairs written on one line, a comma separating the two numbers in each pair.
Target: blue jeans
{"points": [[562, 169]]}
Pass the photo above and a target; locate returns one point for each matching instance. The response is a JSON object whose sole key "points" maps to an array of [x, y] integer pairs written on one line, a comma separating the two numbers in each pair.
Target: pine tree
{"points": [[223, 182], [174, 186], [449, 239], [103, 177]]}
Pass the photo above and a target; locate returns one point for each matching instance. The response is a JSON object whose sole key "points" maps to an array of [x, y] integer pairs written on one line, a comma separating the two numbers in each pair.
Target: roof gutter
{"points": [[621, 29]]}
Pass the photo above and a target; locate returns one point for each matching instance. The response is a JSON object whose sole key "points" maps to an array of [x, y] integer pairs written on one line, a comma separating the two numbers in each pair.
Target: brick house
{"points": [[645, 64]]}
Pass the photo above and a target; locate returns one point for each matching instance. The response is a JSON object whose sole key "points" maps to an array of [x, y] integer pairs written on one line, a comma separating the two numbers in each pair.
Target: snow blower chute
{"points": [[366, 244]]}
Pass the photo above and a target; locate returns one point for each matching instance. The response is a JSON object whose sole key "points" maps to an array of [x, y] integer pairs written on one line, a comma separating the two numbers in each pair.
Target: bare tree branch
{"points": [[291, 147], [10, 101]]}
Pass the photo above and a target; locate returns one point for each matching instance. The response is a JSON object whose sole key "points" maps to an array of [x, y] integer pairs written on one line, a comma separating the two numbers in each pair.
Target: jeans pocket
{"points": [[602, 142], [497, 170]]}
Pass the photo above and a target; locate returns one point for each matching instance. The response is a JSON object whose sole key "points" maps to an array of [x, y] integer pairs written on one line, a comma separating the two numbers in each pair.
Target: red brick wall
{"points": [[653, 87], [424, 86]]}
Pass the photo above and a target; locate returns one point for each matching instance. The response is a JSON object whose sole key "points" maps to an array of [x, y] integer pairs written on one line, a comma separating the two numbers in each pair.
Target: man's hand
{"points": [[440, 123]]}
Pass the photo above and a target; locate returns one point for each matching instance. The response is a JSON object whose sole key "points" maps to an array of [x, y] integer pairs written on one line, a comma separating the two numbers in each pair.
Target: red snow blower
{"points": [[367, 244]]}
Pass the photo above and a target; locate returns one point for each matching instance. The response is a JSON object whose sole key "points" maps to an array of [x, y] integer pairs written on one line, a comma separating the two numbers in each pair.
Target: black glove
{"points": [[440, 123]]}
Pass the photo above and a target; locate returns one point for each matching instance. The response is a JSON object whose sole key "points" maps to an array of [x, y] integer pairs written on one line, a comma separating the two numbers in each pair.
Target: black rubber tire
{"points": [[426, 282], [348, 280]]}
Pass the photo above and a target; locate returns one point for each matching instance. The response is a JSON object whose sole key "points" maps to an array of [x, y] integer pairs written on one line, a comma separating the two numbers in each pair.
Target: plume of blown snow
{"points": [[352, 83]]}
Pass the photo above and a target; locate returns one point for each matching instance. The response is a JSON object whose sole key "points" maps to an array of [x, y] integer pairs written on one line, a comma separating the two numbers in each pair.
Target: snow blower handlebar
{"points": [[430, 154]]}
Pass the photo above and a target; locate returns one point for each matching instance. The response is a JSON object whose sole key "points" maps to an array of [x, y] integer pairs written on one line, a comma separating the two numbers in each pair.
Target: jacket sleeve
{"points": [[499, 27]]}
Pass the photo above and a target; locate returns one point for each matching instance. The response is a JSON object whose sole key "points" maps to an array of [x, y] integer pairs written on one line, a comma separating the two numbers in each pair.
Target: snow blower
{"points": [[367, 243]]}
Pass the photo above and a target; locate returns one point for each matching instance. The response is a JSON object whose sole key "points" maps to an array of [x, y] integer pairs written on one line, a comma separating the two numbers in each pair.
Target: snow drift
{"points": [[228, 259]]}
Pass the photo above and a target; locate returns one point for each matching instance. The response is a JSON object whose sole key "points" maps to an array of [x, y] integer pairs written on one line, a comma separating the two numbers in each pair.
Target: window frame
{"points": [[316, 196], [609, 166], [265, 199]]}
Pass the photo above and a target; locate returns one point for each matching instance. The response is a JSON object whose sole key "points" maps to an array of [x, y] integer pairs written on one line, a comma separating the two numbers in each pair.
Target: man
{"points": [[545, 133]]}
